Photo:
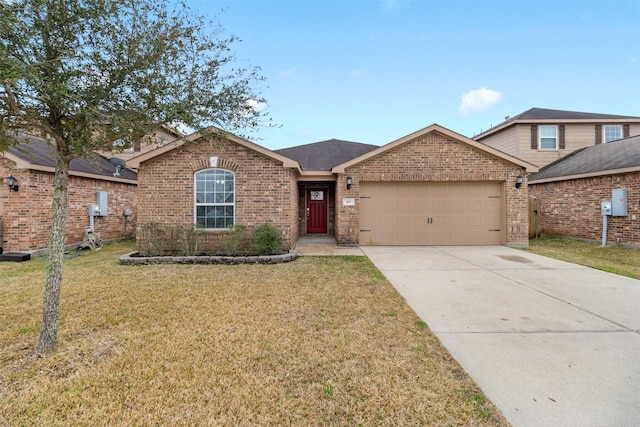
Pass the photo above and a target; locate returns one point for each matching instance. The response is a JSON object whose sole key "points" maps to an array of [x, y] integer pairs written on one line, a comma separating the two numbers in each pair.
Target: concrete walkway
{"points": [[323, 245], [549, 342]]}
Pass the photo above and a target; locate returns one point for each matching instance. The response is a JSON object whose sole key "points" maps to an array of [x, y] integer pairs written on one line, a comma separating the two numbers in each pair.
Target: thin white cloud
{"points": [[390, 5], [256, 105], [357, 74], [479, 100], [290, 72]]}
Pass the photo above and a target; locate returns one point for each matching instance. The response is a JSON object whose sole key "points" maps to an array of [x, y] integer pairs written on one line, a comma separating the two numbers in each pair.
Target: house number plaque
{"points": [[317, 195]]}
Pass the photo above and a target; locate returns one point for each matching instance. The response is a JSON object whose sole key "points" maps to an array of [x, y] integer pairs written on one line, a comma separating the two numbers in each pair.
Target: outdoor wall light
{"points": [[349, 182], [519, 180], [12, 183]]}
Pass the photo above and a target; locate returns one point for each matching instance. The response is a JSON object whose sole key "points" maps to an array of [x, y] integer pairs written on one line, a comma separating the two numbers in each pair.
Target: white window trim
{"points": [[604, 133], [196, 204], [540, 137]]}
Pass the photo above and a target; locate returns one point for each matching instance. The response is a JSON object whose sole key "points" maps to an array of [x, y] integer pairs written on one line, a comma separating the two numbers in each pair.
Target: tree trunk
{"points": [[51, 307]]}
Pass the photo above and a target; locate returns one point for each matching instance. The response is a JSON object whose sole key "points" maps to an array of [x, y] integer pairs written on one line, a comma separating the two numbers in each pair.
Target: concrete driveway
{"points": [[549, 342]]}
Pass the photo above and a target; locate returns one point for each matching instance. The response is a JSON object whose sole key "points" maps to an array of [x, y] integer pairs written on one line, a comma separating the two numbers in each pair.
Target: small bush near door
{"points": [[268, 239]]}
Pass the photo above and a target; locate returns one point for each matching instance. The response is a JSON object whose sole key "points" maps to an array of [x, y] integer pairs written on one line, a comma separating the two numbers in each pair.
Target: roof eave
{"points": [[311, 175], [451, 134], [287, 162], [586, 175], [513, 122], [50, 169]]}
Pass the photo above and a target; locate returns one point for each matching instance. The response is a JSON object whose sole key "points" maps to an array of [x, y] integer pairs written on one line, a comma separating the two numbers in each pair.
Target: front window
{"points": [[611, 133], [548, 138], [215, 199]]}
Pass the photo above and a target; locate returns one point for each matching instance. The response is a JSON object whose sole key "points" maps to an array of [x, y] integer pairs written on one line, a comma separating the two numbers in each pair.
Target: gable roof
{"points": [[287, 162], [619, 156], [323, 155], [544, 115], [33, 152], [444, 131]]}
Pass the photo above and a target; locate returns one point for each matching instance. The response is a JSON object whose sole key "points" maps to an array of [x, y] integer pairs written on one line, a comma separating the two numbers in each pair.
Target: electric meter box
{"points": [[605, 208], [101, 201], [619, 202]]}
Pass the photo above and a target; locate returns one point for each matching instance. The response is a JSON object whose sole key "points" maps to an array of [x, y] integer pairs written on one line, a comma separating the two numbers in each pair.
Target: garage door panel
{"points": [[428, 213]]}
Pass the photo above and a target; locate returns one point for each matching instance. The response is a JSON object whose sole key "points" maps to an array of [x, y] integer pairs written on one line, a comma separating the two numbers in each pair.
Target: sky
{"points": [[374, 71]]}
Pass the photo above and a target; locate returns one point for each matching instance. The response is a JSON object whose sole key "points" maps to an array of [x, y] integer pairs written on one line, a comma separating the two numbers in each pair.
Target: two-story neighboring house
{"points": [[541, 136]]}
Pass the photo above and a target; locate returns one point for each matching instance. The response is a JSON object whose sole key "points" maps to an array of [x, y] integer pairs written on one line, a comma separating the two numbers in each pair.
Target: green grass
{"points": [[318, 341], [615, 259]]}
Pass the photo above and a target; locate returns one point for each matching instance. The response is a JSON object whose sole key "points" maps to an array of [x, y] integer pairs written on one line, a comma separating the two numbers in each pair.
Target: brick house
{"points": [[542, 136], [432, 187], [570, 192], [25, 214]]}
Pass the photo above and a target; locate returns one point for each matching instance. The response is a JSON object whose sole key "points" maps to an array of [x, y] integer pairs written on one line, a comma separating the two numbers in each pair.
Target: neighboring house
{"points": [[541, 136], [432, 187], [151, 142], [570, 192], [25, 214]]}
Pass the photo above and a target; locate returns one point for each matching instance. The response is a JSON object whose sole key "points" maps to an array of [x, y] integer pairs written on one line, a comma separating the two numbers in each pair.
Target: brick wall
{"points": [[26, 214], [265, 191], [433, 157], [571, 208]]}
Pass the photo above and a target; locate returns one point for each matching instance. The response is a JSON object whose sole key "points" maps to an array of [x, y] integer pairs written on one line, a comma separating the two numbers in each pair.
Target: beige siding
{"points": [[634, 129], [505, 141], [158, 139], [576, 136], [516, 140]]}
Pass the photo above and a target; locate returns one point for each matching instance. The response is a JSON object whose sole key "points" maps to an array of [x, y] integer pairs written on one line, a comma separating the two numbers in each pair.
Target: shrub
{"points": [[152, 241], [268, 240], [160, 240], [235, 240], [187, 237]]}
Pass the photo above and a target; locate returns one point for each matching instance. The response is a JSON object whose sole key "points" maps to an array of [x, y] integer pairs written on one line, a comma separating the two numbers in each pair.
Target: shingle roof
{"points": [[543, 114], [546, 114], [620, 154], [323, 155], [39, 151]]}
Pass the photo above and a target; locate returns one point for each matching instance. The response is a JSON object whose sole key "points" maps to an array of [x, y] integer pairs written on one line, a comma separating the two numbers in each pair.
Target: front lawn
{"points": [[612, 258], [318, 341]]}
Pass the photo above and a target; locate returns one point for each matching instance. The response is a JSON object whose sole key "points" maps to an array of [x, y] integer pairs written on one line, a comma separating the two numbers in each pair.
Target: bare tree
{"points": [[88, 73]]}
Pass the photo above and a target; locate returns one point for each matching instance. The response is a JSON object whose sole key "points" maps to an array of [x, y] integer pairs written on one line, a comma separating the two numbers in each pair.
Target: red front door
{"points": [[317, 211]]}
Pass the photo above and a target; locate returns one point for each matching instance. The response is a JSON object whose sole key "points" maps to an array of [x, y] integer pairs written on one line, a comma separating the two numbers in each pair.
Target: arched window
{"points": [[214, 199]]}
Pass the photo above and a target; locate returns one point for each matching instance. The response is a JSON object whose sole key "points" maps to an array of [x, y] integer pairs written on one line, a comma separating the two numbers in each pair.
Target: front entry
{"points": [[317, 210]]}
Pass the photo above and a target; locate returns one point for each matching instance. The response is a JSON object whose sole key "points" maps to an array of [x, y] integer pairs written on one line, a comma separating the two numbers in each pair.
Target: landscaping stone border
{"points": [[132, 259]]}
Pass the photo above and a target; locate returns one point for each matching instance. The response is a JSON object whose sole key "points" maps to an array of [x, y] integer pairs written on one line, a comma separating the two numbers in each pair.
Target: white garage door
{"points": [[431, 213]]}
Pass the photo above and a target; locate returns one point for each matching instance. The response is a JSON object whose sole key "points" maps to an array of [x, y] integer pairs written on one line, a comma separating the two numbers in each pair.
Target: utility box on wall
{"points": [[101, 201], [619, 202]]}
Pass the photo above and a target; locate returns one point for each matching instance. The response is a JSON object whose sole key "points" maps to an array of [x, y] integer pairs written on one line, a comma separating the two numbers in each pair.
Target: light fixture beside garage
{"points": [[519, 180], [349, 182]]}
